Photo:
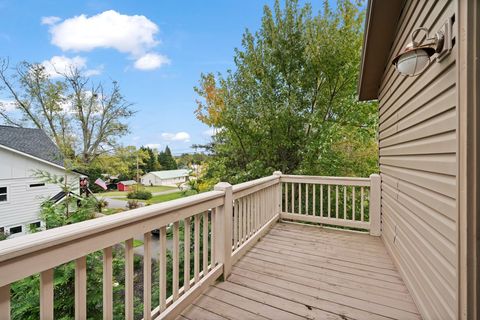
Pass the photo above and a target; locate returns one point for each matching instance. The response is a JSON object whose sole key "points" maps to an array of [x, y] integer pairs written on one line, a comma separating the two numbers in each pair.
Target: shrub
{"points": [[101, 204], [140, 194], [132, 204]]}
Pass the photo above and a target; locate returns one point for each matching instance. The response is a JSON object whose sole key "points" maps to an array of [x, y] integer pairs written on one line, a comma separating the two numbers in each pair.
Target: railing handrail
{"points": [[12, 248], [351, 181], [245, 188]]}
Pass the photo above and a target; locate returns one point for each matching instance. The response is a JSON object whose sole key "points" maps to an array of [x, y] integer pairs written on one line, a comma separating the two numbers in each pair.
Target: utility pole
{"points": [[137, 172]]}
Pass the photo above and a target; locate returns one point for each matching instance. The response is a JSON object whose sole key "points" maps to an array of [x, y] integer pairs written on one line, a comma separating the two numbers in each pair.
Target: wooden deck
{"points": [[305, 272]]}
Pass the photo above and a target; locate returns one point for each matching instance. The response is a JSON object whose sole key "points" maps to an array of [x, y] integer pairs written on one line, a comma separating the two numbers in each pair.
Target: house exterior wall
{"points": [[23, 202], [150, 178], [418, 164]]}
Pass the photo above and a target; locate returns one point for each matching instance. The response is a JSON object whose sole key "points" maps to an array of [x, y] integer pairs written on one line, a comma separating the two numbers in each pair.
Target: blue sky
{"points": [[157, 57]]}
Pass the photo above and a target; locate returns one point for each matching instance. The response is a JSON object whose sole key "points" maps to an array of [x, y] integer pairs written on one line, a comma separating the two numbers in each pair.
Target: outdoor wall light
{"points": [[416, 55]]}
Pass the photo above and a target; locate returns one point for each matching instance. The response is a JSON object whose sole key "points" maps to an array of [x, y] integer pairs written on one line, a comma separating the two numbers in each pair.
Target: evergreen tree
{"points": [[166, 160]]}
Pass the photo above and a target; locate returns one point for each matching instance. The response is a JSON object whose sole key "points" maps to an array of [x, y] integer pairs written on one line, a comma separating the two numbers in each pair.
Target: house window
{"points": [[35, 185], [16, 229], [35, 225], [3, 194]]}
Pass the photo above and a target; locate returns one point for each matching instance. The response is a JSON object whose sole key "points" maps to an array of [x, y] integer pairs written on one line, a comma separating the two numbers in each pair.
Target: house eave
{"points": [[32, 157], [380, 28]]}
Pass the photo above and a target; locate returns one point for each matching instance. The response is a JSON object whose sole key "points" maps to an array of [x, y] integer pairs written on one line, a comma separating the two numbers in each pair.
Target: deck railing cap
{"points": [[222, 186]]}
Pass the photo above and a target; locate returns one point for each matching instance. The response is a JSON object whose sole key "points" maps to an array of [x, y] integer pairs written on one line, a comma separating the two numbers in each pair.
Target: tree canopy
{"points": [[84, 119], [291, 102]]}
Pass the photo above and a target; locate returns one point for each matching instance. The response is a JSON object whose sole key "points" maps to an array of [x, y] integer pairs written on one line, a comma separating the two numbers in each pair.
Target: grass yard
{"points": [[170, 196], [124, 193], [137, 243]]}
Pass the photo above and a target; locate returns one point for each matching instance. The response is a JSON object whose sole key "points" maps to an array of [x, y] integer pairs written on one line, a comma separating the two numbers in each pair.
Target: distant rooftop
{"points": [[170, 174], [128, 182], [33, 142]]}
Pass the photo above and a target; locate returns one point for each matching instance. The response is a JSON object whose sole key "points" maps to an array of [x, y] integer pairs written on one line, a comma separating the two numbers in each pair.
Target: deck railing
{"points": [[336, 201], [214, 229]]}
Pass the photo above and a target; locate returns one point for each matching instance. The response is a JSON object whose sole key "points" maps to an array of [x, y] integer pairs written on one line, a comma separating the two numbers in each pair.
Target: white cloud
{"points": [[109, 29], [62, 64], [131, 34], [50, 20], [153, 145], [7, 105], [212, 131], [179, 136], [151, 61]]}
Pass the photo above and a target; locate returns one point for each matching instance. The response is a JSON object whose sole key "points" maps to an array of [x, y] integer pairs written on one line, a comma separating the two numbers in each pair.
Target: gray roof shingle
{"points": [[34, 142]]}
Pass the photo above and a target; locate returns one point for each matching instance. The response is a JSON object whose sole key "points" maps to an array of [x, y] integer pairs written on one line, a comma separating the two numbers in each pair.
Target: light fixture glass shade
{"points": [[412, 62]]}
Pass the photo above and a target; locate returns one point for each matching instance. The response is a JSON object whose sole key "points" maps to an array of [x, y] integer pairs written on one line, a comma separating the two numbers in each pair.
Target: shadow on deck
{"points": [[306, 272]]}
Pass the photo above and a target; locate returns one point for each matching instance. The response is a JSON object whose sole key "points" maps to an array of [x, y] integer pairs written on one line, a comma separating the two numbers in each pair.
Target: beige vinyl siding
{"points": [[418, 164]]}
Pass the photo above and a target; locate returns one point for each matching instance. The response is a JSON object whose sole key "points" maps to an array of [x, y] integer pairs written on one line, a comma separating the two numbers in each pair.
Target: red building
{"points": [[126, 185]]}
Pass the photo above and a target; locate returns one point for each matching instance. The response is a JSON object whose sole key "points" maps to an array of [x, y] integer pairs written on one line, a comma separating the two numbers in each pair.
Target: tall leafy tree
{"points": [[85, 119], [291, 104]]}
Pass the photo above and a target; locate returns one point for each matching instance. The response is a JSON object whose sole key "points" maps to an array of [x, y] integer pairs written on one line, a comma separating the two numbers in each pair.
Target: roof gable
{"points": [[33, 142]]}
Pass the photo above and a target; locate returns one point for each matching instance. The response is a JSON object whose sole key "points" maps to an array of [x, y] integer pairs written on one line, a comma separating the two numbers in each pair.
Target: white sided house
{"points": [[165, 177], [22, 152]]}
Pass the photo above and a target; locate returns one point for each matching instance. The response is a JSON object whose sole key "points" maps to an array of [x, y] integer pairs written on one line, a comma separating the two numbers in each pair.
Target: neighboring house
{"points": [[126, 185], [22, 151], [165, 177], [428, 147]]}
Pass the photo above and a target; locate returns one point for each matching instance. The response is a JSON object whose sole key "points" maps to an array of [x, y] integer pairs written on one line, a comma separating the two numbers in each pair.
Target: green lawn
{"points": [[137, 243], [124, 193], [170, 196]]}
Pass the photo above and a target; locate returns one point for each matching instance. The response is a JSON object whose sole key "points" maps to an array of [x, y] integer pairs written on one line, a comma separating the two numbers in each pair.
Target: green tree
{"points": [[151, 162], [291, 102], [84, 119], [166, 160]]}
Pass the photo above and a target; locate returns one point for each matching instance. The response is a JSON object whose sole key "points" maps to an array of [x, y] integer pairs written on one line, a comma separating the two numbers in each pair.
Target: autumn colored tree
{"points": [[291, 104]]}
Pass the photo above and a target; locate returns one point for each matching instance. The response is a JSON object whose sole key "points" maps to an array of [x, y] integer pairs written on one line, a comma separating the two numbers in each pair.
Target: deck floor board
{"points": [[305, 272]]}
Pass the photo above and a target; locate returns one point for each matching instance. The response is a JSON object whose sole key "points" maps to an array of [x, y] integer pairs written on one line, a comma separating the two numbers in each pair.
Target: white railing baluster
{"points": [[314, 202], [344, 202], [107, 284], [46, 295], [129, 273], [361, 204], [196, 248], [336, 202], [5, 302], [329, 201], [293, 197], [299, 198], [353, 203], [147, 276], [175, 261], [213, 226], [205, 243], [162, 262], [236, 214], [306, 200], [186, 253], [81, 288], [321, 200]]}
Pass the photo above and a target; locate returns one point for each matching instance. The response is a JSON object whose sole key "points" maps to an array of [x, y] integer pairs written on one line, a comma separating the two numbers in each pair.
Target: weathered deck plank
{"points": [[299, 271]]}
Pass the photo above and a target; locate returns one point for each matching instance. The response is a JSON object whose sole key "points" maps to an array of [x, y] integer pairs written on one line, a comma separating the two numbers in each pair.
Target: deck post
{"points": [[375, 205], [278, 198], [224, 229]]}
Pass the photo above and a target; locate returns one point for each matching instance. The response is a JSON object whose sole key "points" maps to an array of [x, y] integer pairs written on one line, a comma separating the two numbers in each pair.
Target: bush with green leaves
{"points": [[139, 194]]}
